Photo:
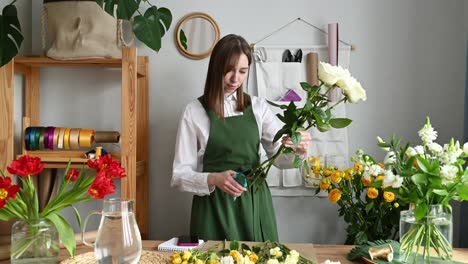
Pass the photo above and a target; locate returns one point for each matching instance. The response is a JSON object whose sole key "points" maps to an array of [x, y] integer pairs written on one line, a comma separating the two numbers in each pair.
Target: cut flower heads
{"points": [[21, 203], [317, 112]]}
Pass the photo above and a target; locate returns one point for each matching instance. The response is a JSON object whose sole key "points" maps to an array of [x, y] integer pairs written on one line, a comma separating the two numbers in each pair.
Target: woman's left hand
{"points": [[303, 146]]}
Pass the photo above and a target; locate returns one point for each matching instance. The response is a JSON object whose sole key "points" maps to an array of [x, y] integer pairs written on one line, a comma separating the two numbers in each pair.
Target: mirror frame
{"points": [[187, 17]]}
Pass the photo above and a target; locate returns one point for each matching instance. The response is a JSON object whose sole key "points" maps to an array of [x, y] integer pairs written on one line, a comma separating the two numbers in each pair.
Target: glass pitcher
{"points": [[118, 238]]}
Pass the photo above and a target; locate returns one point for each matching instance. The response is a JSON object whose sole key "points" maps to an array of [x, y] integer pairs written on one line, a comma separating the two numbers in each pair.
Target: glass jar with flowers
{"points": [[433, 175], [365, 194], [317, 112], [36, 234]]}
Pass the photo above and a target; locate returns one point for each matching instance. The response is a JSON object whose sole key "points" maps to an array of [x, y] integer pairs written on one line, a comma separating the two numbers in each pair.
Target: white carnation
{"points": [[375, 170], [397, 182], [435, 148], [388, 179]]}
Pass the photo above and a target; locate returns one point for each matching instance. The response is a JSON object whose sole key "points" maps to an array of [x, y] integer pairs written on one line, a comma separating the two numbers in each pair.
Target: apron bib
{"points": [[233, 145]]}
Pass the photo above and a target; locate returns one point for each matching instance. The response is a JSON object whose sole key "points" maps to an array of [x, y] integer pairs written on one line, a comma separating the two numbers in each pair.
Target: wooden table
{"points": [[318, 252]]}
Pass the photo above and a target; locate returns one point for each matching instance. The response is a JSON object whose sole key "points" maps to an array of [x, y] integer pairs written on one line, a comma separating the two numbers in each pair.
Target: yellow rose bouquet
{"points": [[365, 194]]}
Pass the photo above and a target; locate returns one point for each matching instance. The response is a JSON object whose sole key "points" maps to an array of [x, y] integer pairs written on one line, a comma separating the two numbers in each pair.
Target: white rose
{"points": [[328, 73], [397, 182], [435, 148], [388, 179], [272, 261], [226, 260], [353, 90], [419, 149]]}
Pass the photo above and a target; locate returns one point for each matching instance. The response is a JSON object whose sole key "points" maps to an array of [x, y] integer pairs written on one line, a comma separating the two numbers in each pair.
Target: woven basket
{"points": [[147, 257]]}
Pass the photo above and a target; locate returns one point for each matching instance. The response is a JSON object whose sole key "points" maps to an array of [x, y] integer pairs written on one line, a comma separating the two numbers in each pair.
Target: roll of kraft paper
{"points": [[312, 68], [106, 137]]}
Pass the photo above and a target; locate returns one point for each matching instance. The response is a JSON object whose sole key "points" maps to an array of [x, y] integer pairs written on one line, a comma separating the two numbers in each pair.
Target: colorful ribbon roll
{"points": [[40, 138]]}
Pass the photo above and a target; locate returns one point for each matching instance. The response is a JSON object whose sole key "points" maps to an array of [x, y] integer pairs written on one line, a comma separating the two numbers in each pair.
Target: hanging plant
{"points": [[10, 34]]}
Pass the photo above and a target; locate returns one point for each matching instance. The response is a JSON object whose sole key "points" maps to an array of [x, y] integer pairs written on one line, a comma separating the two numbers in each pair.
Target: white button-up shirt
{"points": [[193, 134]]}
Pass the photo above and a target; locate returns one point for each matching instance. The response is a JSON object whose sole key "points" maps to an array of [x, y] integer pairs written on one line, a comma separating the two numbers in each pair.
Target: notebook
{"points": [[171, 245]]}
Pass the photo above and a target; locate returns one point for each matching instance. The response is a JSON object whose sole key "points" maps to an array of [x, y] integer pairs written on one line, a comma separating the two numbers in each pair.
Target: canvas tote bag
{"points": [[80, 29]]}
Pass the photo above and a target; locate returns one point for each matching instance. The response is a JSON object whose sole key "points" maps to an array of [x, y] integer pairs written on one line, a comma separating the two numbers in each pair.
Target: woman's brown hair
{"points": [[224, 56]]}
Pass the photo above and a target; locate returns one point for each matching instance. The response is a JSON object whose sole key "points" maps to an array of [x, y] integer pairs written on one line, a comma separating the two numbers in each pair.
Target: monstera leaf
{"points": [[148, 28], [10, 34], [151, 27]]}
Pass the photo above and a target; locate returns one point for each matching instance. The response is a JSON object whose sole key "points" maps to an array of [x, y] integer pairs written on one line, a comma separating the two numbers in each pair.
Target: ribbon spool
{"points": [[382, 253], [42, 138], [107, 137]]}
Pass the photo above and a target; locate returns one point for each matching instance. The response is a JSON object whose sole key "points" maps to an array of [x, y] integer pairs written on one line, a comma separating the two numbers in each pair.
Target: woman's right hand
{"points": [[226, 182]]}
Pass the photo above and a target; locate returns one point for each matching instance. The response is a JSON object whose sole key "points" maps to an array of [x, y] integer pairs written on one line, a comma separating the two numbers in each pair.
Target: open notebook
{"points": [[171, 245]]}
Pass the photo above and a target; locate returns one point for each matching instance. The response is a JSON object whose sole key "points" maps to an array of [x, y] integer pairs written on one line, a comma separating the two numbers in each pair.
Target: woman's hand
{"points": [[226, 182], [303, 146]]}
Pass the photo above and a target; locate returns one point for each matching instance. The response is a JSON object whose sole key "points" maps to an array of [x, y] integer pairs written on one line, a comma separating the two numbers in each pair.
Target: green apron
{"points": [[233, 144]]}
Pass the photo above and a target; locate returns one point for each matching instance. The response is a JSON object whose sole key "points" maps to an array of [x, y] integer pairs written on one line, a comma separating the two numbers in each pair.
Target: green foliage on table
{"points": [[10, 34]]}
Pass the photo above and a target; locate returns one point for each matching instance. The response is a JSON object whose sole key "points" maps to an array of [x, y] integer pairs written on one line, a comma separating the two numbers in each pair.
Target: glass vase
{"points": [[428, 240], [34, 241]]}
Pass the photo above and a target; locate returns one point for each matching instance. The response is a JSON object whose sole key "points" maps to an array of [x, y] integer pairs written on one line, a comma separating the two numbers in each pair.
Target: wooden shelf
{"points": [[134, 120]]}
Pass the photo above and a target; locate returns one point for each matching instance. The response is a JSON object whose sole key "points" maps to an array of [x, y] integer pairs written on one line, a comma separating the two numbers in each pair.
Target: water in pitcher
{"points": [[118, 240]]}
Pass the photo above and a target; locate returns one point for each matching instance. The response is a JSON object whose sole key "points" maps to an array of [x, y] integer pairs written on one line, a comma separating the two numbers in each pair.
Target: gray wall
{"points": [[410, 58]]}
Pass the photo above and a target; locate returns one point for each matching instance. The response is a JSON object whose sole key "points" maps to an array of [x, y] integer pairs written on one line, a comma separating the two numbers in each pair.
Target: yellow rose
{"points": [[324, 184], [199, 261], [253, 257], [348, 174], [177, 260], [372, 193], [366, 181], [213, 261], [380, 178], [358, 167], [186, 255], [327, 172], [337, 176], [389, 196], [334, 196], [234, 254]]}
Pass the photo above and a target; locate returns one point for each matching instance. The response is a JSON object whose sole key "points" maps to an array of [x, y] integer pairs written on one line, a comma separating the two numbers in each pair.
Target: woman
{"points": [[219, 135]]}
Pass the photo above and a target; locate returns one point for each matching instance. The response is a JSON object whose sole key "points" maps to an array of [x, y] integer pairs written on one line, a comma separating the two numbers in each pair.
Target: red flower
{"points": [[101, 187], [72, 175], [26, 165], [111, 167], [7, 190]]}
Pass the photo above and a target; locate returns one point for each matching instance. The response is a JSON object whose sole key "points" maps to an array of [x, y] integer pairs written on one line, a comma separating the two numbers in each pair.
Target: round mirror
{"points": [[196, 34]]}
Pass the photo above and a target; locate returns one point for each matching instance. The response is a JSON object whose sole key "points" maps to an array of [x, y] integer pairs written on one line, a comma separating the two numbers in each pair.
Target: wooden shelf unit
{"points": [[134, 120]]}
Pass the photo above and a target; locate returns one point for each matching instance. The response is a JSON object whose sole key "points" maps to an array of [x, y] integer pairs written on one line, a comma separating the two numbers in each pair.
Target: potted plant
{"points": [[149, 27]]}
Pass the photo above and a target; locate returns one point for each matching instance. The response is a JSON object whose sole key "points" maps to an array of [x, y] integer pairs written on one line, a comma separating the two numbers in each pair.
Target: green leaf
{"points": [[323, 127], [297, 161], [361, 237], [245, 247], [282, 106], [462, 191], [77, 215], [465, 175], [125, 8], [183, 39], [421, 211], [280, 133], [369, 206], [419, 179], [10, 34], [66, 234], [151, 27], [340, 122], [423, 164], [234, 245], [440, 192], [296, 138], [306, 86]]}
